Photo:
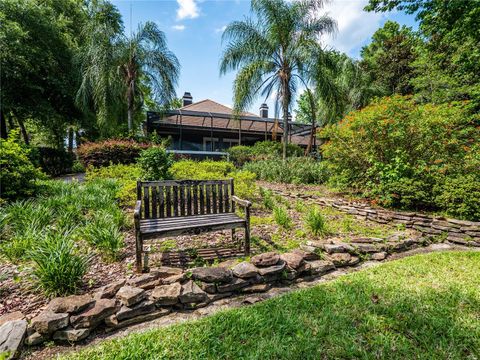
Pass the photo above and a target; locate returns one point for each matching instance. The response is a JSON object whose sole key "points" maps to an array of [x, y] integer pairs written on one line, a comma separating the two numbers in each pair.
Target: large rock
{"points": [[113, 323], [212, 274], [257, 288], [35, 339], [379, 256], [307, 252], [293, 260], [265, 259], [338, 248], [173, 279], [343, 259], [12, 334], [70, 304], [154, 277], [94, 316], [236, 284], [48, 322], [129, 295], [271, 270], [16, 315], [71, 335], [145, 307], [245, 270], [319, 267], [191, 293], [167, 294], [110, 290], [365, 248]]}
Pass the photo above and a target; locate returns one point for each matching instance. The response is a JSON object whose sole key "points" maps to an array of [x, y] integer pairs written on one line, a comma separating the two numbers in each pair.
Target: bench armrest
{"points": [[136, 212], [241, 202]]}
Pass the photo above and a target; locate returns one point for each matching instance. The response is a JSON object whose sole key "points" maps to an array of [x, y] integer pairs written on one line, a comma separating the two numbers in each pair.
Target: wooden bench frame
{"points": [[178, 207]]}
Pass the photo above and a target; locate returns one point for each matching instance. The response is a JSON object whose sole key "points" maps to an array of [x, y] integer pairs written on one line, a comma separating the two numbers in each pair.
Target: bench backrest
{"points": [[172, 198]]}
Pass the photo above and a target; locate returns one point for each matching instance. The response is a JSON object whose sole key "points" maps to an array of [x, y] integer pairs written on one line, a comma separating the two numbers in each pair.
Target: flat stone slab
{"points": [[265, 259], [36, 339], [94, 316], [245, 270], [167, 294], [113, 323], [212, 274], [319, 267], [191, 293], [110, 290], [12, 334], [236, 284], [71, 335], [70, 304], [129, 295], [293, 260], [142, 308], [307, 253], [16, 315], [338, 248], [271, 270], [48, 322], [343, 259]]}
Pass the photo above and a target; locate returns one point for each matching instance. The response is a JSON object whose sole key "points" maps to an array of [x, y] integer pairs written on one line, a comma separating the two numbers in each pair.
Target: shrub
{"points": [[267, 198], [460, 196], [402, 154], [59, 267], [280, 215], [298, 170], [244, 181], [125, 176], [17, 172], [315, 222], [54, 161], [108, 152], [240, 154], [77, 167], [261, 150], [155, 163]]}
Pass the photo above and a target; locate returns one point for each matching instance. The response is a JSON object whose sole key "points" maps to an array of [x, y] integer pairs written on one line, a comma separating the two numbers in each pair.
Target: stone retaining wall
{"points": [[164, 290], [461, 232]]}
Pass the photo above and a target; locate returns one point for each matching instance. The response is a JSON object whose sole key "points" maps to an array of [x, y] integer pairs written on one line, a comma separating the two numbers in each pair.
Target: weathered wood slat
{"points": [[154, 202], [226, 189], [201, 187], [175, 200], [189, 220], [181, 189], [208, 191], [146, 202], [188, 189], [161, 201], [168, 200], [220, 198], [182, 182], [195, 199], [214, 198]]}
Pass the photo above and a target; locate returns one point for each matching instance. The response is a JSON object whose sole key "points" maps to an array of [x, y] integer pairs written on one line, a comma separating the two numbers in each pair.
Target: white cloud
{"points": [[221, 29], [355, 26], [187, 9], [178, 27]]}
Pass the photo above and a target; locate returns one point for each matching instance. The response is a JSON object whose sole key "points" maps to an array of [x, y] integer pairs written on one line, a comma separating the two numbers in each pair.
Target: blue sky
{"points": [[194, 28]]}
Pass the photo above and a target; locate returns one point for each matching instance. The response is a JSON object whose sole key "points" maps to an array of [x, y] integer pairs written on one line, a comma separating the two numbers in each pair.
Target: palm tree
{"points": [[145, 56], [274, 52], [113, 66]]}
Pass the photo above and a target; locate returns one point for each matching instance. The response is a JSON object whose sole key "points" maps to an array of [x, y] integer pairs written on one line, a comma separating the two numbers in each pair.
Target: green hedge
{"points": [[262, 150], [104, 153]]}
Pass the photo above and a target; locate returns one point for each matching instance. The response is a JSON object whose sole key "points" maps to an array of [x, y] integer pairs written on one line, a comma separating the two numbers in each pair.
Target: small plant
{"points": [[58, 266], [281, 217], [155, 163], [267, 198], [77, 167], [315, 222], [300, 206], [104, 233]]}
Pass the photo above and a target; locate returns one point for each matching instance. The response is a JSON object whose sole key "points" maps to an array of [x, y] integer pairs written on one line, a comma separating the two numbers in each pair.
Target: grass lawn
{"points": [[423, 307]]}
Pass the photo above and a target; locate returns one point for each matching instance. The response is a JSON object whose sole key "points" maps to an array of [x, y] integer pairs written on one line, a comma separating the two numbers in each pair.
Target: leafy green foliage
{"points": [[54, 161], [297, 170], [281, 217], [59, 266], [430, 300], [267, 198], [17, 172], [402, 154], [261, 150], [244, 181], [104, 153], [315, 222], [155, 163], [125, 176]]}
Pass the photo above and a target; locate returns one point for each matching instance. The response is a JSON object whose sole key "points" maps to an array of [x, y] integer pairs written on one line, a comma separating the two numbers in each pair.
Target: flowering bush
{"points": [[404, 154], [104, 153]]}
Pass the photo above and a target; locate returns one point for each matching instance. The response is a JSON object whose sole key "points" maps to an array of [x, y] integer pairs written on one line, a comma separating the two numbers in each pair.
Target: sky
{"points": [[194, 28]]}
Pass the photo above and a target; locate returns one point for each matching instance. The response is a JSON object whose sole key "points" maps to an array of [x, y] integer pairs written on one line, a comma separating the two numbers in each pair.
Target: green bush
{"points": [[297, 170], [17, 172], [406, 155], [104, 153], [281, 217], [244, 181], [125, 176], [267, 198], [155, 163], [54, 161], [59, 266], [315, 222], [460, 196], [77, 167], [261, 150]]}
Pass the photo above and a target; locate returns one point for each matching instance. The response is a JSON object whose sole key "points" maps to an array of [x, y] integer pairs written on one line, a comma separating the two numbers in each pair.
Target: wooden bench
{"points": [[179, 207]]}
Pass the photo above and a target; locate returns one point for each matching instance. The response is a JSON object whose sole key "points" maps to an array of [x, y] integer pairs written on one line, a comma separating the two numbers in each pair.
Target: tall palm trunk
{"points": [[130, 104], [313, 114], [23, 130], [285, 104]]}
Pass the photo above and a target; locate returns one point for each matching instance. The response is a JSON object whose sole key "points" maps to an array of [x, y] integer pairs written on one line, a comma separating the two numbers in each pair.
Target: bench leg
{"points": [[139, 250], [247, 231]]}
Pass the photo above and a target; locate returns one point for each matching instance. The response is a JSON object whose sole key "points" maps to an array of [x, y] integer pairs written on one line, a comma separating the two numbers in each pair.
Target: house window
{"points": [[226, 143]]}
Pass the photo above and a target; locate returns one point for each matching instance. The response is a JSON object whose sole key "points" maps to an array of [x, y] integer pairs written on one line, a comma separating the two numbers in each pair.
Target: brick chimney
{"points": [[187, 99], [264, 111]]}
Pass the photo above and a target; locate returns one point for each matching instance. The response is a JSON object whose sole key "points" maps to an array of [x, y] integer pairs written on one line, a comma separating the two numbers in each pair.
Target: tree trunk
{"points": [[70, 139], [23, 131], [285, 103], [3, 125], [313, 114]]}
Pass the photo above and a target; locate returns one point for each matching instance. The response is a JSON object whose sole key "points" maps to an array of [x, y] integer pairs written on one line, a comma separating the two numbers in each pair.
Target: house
{"points": [[209, 127]]}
